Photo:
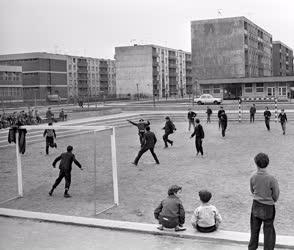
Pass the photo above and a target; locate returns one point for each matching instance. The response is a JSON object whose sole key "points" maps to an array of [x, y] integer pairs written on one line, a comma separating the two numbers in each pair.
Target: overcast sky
{"points": [[94, 27]]}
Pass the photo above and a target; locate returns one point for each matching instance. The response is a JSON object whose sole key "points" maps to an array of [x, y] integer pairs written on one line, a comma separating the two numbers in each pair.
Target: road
{"points": [[29, 235]]}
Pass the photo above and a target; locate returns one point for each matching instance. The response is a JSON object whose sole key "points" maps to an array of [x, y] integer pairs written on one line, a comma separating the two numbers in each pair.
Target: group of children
{"points": [[170, 213], [206, 218]]}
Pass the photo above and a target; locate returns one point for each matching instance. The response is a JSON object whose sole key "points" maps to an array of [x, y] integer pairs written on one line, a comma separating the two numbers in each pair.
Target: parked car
{"points": [[207, 99]]}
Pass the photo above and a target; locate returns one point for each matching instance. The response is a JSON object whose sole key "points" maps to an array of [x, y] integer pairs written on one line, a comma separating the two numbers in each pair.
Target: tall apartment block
{"points": [[90, 77], [282, 59], [230, 48], [152, 70], [46, 74]]}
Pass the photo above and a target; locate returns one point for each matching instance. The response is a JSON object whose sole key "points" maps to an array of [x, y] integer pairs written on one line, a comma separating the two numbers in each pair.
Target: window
{"points": [[259, 87], [282, 91], [205, 90], [248, 87], [216, 89]]}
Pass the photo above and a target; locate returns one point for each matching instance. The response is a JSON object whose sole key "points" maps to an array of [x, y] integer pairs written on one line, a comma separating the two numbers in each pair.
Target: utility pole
{"points": [[138, 91]]}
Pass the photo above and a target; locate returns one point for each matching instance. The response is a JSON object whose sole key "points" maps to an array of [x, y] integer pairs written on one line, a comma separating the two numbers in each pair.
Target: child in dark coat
{"points": [[170, 213]]}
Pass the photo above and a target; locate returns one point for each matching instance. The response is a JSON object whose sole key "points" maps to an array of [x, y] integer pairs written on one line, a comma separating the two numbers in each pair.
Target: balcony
{"points": [[172, 74], [172, 65], [83, 77], [82, 70], [103, 78], [82, 62]]}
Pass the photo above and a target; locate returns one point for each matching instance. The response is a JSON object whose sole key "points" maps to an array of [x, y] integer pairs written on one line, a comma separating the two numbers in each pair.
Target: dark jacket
{"points": [[191, 115], [252, 110], [66, 161], [219, 113], [282, 117], [171, 207], [149, 140], [209, 111], [140, 125], [224, 118], [169, 127], [267, 114], [198, 131]]}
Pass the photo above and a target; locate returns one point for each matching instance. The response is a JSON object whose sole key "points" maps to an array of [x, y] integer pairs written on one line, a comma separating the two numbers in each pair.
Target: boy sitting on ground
{"points": [[170, 213], [206, 217]]}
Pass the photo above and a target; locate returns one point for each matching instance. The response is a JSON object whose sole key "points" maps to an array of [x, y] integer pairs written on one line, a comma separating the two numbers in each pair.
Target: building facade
{"points": [[90, 77], [43, 74], [282, 59], [151, 70], [230, 48], [68, 77], [281, 87], [11, 87]]}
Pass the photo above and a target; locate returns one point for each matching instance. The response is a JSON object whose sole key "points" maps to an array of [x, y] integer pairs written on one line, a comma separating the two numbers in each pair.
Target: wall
{"points": [[134, 66]]}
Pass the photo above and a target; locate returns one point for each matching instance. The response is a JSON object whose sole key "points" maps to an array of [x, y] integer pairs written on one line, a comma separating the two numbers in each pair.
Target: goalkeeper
{"points": [[66, 159]]}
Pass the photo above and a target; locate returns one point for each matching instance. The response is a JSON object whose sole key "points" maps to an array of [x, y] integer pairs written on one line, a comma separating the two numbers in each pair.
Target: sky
{"points": [[95, 27]]}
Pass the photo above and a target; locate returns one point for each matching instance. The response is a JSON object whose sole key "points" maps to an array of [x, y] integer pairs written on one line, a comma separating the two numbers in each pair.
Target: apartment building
{"points": [[226, 48], [43, 74], [282, 59], [151, 70], [11, 87], [90, 77], [65, 76]]}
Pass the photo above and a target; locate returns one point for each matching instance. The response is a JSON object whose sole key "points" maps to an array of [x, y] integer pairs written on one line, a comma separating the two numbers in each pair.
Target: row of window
{"points": [[11, 92]]}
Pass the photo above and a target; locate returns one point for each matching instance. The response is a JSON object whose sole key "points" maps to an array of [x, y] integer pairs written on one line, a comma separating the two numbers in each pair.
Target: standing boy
{"points": [[170, 213], [199, 135], [49, 115], [219, 113], [169, 128], [141, 125], [191, 116], [252, 113], [265, 190], [223, 122], [267, 116], [208, 112], [50, 135], [66, 159], [283, 119], [149, 141]]}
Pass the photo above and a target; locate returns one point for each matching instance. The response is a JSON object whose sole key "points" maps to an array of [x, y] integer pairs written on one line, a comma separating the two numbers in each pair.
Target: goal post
{"points": [[82, 129]]}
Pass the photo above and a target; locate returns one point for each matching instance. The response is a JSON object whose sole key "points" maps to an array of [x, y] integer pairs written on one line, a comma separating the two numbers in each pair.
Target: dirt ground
{"points": [[225, 171]]}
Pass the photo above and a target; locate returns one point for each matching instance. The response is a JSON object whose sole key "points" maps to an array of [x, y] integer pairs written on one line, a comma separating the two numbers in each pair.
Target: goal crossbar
{"points": [[89, 128]]}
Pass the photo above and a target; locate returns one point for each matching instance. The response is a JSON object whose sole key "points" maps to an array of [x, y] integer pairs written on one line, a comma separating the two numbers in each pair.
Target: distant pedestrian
{"points": [[191, 118], [283, 119], [221, 110], [199, 136], [252, 113], [170, 213], [169, 128], [141, 125], [49, 115], [223, 122], [267, 117], [206, 218], [62, 115], [208, 112], [50, 135], [265, 190], [66, 159], [37, 116], [149, 141]]}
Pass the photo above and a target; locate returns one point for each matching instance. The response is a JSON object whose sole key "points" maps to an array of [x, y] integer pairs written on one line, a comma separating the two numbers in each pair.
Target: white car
{"points": [[207, 99]]}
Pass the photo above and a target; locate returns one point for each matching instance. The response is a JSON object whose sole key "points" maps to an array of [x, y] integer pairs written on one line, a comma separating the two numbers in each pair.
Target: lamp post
{"points": [[194, 90], [138, 91]]}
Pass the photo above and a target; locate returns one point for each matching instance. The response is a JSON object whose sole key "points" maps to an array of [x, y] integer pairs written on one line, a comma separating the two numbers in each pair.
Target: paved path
{"points": [[25, 234]]}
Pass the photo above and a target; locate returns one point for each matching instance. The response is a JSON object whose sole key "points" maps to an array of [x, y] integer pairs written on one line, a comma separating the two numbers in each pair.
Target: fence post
{"points": [[239, 108], [276, 109]]}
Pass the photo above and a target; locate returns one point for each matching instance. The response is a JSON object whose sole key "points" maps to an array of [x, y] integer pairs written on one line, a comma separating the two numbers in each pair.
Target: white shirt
{"points": [[206, 215]]}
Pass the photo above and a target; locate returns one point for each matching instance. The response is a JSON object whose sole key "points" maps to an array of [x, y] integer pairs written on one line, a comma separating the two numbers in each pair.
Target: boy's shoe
{"points": [[51, 192], [134, 163], [67, 195], [160, 228], [179, 229], [171, 143]]}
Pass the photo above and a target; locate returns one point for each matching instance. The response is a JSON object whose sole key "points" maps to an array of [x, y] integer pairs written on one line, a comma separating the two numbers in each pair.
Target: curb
{"points": [[218, 237]]}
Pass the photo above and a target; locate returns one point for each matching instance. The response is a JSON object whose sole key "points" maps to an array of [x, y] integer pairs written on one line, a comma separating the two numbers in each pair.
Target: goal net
{"points": [[96, 187]]}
